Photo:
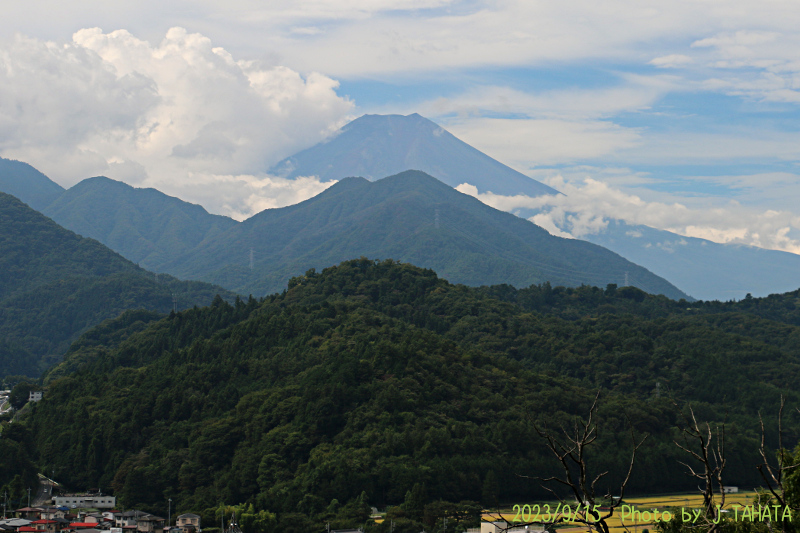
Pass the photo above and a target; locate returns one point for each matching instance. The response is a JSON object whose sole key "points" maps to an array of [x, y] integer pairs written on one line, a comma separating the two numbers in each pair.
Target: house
{"points": [[128, 518], [15, 523], [188, 522], [150, 523], [51, 513], [29, 513], [35, 396], [44, 524]]}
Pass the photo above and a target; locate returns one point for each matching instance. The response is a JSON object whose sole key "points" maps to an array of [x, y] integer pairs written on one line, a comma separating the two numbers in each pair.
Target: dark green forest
{"points": [[377, 383], [56, 284]]}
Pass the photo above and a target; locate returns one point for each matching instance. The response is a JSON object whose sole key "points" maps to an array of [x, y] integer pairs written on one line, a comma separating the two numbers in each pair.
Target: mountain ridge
{"points": [[376, 146], [412, 217], [143, 224], [23, 181], [57, 284]]}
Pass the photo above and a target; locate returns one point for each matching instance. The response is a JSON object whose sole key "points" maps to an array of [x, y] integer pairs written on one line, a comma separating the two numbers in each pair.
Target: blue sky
{"points": [[682, 115]]}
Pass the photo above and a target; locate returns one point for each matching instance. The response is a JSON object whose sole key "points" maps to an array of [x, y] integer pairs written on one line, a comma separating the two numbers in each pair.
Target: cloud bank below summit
{"points": [[182, 116], [585, 209]]}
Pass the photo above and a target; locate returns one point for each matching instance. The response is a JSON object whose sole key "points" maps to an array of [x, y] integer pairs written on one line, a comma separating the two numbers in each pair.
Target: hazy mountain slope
{"points": [[28, 184], [396, 217], [375, 146], [144, 225], [704, 269], [56, 284]]}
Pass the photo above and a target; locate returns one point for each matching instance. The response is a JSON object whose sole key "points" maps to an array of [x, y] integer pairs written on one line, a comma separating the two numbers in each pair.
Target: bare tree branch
{"points": [[571, 453]]}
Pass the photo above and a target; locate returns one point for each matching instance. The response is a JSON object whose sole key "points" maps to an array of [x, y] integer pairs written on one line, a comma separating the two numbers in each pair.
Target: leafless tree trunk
{"points": [[570, 451], [774, 476], [712, 459]]}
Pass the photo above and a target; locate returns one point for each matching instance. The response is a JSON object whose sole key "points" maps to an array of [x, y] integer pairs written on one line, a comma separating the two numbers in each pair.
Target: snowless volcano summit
{"points": [[376, 146]]}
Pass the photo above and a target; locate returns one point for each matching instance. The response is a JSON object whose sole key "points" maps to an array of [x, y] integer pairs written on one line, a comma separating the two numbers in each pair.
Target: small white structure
{"points": [[35, 396], [93, 501], [729, 489], [499, 526]]}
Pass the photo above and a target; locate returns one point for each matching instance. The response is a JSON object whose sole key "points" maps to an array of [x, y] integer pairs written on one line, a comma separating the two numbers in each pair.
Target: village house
{"points": [[29, 513], [150, 523], [128, 519], [188, 523], [46, 525]]}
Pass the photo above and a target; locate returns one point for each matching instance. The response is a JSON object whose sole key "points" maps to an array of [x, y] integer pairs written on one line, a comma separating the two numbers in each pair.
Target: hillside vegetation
{"points": [[410, 217], [378, 382], [144, 225], [56, 285]]}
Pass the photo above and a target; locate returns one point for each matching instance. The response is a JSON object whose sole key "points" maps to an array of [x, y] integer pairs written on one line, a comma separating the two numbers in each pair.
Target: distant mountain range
{"points": [[56, 284], [703, 268], [411, 217], [376, 146], [393, 218], [166, 234]]}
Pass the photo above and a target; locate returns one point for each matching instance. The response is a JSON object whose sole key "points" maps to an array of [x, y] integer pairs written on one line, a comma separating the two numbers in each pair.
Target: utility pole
{"points": [[29, 497], [169, 514], [626, 279]]}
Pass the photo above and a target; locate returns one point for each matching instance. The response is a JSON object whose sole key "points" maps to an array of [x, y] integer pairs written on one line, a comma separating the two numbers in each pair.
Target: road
{"points": [[43, 493]]}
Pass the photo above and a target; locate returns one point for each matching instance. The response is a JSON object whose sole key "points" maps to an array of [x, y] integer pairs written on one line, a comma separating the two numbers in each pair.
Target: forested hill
{"points": [[144, 225], [56, 284], [25, 182], [410, 217], [376, 376]]}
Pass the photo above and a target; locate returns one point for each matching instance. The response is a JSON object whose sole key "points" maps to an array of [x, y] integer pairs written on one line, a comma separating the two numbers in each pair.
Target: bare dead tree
{"points": [[699, 443], [773, 476], [570, 451]]}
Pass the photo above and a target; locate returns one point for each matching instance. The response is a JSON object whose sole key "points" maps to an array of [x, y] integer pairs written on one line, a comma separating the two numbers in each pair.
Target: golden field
{"points": [[659, 503]]}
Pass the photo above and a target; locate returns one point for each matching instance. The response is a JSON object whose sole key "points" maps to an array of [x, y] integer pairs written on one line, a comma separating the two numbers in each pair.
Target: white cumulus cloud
{"points": [[182, 115]]}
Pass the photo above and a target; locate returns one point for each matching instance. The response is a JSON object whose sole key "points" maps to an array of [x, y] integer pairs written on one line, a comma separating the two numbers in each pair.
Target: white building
{"points": [[34, 396], [92, 501]]}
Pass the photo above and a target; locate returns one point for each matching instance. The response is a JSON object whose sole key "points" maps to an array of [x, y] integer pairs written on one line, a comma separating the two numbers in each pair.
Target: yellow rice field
{"points": [[636, 522]]}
